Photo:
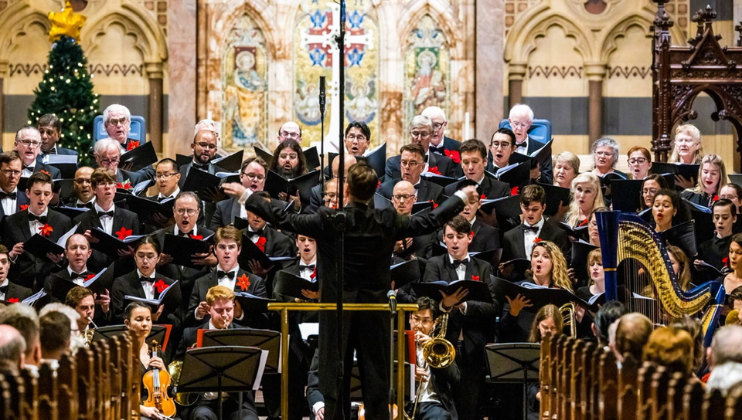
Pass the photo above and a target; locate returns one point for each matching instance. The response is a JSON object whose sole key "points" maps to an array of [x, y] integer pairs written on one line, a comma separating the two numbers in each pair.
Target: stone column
{"points": [[516, 74], [490, 66], [3, 75], [154, 119], [595, 74], [182, 30]]}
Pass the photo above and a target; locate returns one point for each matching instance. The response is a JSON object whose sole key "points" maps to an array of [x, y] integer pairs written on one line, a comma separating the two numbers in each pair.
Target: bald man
{"points": [[289, 130], [315, 197], [403, 197], [632, 333], [83, 190], [12, 349]]}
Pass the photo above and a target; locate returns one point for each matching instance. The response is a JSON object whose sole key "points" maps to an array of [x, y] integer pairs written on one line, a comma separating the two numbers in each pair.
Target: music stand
{"points": [[226, 369], [159, 333], [264, 339], [514, 363]]}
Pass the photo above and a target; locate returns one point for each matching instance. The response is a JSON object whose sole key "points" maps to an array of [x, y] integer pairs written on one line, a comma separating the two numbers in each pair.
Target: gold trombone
{"points": [[90, 332], [568, 311]]}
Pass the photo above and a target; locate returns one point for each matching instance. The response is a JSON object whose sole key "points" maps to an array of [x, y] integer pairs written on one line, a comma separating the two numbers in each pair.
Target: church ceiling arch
{"points": [[441, 13], [150, 37], [228, 16], [521, 41], [15, 23]]}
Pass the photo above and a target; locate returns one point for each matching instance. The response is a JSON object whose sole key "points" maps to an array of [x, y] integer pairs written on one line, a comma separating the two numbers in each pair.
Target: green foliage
{"points": [[67, 91]]}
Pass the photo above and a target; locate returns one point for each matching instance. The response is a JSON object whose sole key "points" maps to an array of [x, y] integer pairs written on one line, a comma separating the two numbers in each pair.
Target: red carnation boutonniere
{"points": [[243, 282], [725, 260], [261, 243], [160, 286], [198, 237], [475, 278], [126, 185], [454, 155], [24, 207], [715, 198], [90, 276], [378, 185], [537, 240], [472, 234], [13, 300], [583, 223], [434, 170], [435, 205], [45, 172], [123, 233], [46, 230], [514, 191], [482, 197], [133, 144]]}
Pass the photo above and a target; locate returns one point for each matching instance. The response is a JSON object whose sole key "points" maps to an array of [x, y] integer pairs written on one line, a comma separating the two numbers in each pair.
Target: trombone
{"points": [[90, 332], [568, 311]]}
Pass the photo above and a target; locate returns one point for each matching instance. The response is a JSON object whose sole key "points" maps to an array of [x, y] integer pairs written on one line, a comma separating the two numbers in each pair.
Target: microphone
{"points": [[392, 296], [322, 95]]}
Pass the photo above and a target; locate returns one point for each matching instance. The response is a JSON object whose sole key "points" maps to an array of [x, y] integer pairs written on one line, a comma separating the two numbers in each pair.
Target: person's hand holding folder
{"points": [[104, 301], [449, 301], [517, 304]]}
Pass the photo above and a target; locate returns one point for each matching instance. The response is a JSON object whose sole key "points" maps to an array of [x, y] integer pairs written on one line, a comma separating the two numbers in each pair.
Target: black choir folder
{"points": [[59, 287], [686, 170], [139, 157], [231, 163], [555, 196], [253, 304], [540, 296], [275, 184], [154, 304], [109, 244], [39, 245], [290, 285], [146, 207], [182, 248], [201, 182], [478, 290]]}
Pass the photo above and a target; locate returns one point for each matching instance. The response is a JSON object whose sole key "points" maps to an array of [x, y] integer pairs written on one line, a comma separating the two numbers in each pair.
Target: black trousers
{"points": [[466, 396], [431, 411]]}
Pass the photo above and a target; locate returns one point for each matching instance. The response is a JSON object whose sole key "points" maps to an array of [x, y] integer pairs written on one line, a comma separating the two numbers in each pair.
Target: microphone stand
{"points": [[322, 101]]}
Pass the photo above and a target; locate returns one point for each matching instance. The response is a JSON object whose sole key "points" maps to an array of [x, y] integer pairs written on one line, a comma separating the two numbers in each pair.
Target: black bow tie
{"points": [[12, 195], [4, 289], [201, 166], [417, 186], [457, 263], [74, 275], [306, 267], [29, 167], [105, 213], [259, 232], [147, 279], [41, 219], [161, 198], [524, 144], [435, 149], [221, 274], [88, 205], [52, 151], [534, 229], [187, 235]]}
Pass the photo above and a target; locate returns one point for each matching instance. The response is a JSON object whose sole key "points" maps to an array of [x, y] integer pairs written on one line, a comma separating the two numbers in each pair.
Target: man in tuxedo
{"points": [[412, 161], [228, 244], [485, 237], [185, 211], [518, 242], [272, 242], [117, 122], [357, 138], [421, 129], [502, 146], [369, 239], [77, 252], [521, 118], [10, 291], [166, 177], [50, 129], [27, 144], [470, 323], [439, 143], [84, 195], [403, 198], [222, 307], [27, 269], [473, 159], [252, 176], [82, 300], [204, 151], [108, 155], [110, 218], [11, 199]]}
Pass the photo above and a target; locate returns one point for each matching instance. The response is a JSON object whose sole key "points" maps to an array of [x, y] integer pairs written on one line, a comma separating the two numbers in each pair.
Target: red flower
{"points": [[537, 240], [261, 243], [133, 144], [24, 207], [199, 237], [45, 172], [243, 282], [514, 191], [482, 197], [123, 233], [725, 260], [126, 185], [454, 155], [582, 223], [715, 198], [472, 234], [435, 205], [378, 185], [90, 276], [475, 278], [434, 170], [160, 286], [46, 230], [12, 300]]}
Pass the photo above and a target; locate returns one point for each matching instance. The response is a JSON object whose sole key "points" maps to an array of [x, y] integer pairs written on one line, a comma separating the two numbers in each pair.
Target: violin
{"points": [[157, 382]]}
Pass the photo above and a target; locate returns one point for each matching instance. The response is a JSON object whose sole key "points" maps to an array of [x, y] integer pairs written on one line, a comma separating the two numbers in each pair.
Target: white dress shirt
{"points": [[231, 280], [461, 269], [307, 274], [176, 231], [4, 283], [78, 281], [148, 286], [34, 226], [530, 236], [105, 221]]}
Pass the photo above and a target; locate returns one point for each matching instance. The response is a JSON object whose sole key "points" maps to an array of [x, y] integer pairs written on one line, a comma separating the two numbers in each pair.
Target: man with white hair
{"points": [[725, 358], [439, 142], [521, 118], [421, 130], [28, 146], [25, 319], [107, 155], [117, 122]]}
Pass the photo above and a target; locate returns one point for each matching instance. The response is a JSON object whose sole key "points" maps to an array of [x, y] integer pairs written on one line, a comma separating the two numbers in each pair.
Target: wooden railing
{"points": [[100, 382]]}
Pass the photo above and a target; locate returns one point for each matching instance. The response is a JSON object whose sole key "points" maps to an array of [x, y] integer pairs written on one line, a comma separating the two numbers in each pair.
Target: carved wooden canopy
{"points": [[680, 73]]}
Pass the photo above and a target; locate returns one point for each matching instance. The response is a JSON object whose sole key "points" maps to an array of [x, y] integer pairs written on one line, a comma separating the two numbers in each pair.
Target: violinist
{"points": [[138, 319]]}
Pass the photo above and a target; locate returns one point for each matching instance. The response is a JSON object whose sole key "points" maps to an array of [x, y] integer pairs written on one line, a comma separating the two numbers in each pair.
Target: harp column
{"points": [[608, 231]]}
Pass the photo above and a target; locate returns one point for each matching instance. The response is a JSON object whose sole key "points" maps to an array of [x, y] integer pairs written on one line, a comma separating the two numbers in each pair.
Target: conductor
{"points": [[370, 235]]}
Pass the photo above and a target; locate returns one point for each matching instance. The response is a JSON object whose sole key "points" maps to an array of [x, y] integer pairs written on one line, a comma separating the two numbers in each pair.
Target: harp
{"points": [[626, 238]]}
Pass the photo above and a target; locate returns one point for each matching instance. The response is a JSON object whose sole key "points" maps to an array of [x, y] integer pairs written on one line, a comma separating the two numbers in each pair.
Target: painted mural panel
{"points": [[245, 84]]}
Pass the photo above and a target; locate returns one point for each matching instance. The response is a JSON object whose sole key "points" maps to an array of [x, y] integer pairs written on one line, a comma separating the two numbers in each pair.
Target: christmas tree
{"points": [[67, 91]]}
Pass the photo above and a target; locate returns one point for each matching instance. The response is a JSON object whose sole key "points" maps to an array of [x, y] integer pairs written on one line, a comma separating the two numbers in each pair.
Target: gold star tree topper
{"points": [[66, 23]]}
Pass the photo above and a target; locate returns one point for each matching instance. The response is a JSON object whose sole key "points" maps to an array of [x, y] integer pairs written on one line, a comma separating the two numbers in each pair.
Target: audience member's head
{"points": [[726, 346], [607, 315], [632, 333], [12, 349], [24, 319], [54, 329], [672, 348], [694, 329]]}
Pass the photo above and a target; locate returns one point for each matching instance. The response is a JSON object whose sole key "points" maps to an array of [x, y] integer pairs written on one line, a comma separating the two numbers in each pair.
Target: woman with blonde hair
{"points": [[687, 149], [596, 274], [586, 196], [712, 175], [566, 168]]}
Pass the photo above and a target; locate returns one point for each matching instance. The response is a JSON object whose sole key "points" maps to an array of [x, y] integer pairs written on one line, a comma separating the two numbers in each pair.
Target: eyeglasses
{"points": [[189, 212], [30, 143], [637, 161], [81, 180], [516, 124], [409, 163], [149, 257], [604, 154], [419, 134], [121, 121], [9, 172], [107, 161], [291, 156], [164, 176], [288, 135], [359, 137], [403, 197], [436, 126], [497, 144], [206, 145], [254, 176], [728, 196], [648, 191]]}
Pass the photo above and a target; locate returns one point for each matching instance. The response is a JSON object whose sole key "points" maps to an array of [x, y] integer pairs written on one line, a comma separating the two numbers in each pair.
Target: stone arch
{"points": [[150, 36], [609, 43], [259, 11], [15, 20], [521, 41], [441, 13]]}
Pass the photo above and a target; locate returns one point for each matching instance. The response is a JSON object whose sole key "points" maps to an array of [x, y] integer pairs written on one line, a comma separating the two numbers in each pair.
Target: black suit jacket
{"points": [[277, 244], [447, 148], [21, 203], [133, 177], [129, 284], [16, 291], [225, 213], [445, 166], [490, 187], [27, 270], [99, 317], [121, 218], [203, 284], [514, 245], [426, 190]]}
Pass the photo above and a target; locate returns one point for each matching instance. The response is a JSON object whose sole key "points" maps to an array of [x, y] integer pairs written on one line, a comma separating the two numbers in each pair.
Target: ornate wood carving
{"points": [[680, 73]]}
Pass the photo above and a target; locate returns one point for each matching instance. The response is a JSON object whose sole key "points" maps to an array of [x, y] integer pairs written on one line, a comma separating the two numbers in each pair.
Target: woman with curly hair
{"points": [[586, 196]]}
